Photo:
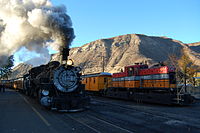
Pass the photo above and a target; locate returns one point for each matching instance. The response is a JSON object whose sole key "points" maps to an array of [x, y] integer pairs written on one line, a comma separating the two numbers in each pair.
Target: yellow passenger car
{"points": [[96, 82]]}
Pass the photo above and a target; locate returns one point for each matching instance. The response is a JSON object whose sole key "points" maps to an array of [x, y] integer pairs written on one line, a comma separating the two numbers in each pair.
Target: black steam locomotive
{"points": [[57, 86]]}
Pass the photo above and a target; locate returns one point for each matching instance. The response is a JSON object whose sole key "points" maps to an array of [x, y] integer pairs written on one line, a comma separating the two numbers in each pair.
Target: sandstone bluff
{"points": [[126, 50]]}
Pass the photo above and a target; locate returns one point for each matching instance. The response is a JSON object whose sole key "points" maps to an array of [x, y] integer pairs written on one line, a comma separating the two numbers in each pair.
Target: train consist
{"points": [[16, 84], [139, 83]]}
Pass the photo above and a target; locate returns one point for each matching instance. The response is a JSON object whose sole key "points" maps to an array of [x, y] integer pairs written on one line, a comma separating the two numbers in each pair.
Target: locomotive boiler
{"points": [[57, 85]]}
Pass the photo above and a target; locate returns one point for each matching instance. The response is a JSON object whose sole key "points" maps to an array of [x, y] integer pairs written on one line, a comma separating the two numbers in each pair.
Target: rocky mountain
{"points": [[20, 70], [194, 45], [193, 50], [120, 51]]}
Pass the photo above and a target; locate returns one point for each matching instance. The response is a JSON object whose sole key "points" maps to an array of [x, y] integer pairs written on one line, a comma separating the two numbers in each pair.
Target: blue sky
{"points": [[96, 19]]}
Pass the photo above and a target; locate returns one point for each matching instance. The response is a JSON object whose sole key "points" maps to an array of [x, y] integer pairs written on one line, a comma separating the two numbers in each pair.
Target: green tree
{"points": [[185, 67], [6, 70]]}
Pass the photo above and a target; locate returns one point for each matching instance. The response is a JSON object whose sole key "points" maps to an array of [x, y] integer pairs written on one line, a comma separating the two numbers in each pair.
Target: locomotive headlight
{"points": [[70, 62], [45, 92]]}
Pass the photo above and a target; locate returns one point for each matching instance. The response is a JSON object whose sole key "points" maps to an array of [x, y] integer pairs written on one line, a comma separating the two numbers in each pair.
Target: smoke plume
{"points": [[35, 25]]}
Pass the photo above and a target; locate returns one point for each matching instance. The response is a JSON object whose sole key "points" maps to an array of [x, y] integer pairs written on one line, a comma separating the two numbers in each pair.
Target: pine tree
{"points": [[5, 71]]}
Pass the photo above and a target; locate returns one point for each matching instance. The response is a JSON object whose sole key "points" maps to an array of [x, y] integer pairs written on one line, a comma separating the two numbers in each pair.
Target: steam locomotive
{"points": [[56, 86]]}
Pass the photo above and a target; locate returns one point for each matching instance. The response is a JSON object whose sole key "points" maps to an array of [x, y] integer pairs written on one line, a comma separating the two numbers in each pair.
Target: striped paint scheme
{"points": [[146, 77]]}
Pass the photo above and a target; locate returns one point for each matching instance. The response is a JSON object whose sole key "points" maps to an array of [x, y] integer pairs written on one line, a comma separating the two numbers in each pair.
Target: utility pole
{"points": [[185, 71], [103, 64]]}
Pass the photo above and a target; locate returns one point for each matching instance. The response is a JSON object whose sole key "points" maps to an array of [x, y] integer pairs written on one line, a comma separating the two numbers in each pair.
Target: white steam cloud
{"points": [[35, 25]]}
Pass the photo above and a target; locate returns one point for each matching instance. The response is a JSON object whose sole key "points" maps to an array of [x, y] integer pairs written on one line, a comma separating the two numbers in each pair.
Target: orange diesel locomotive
{"points": [[140, 83]]}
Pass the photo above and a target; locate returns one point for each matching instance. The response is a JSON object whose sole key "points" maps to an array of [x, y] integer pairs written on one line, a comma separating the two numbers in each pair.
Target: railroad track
{"points": [[98, 125], [153, 113], [107, 115], [98, 122], [83, 121]]}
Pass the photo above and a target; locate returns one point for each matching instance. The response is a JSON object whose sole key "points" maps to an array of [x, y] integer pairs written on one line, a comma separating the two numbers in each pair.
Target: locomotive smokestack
{"points": [[67, 40], [64, 53]]}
